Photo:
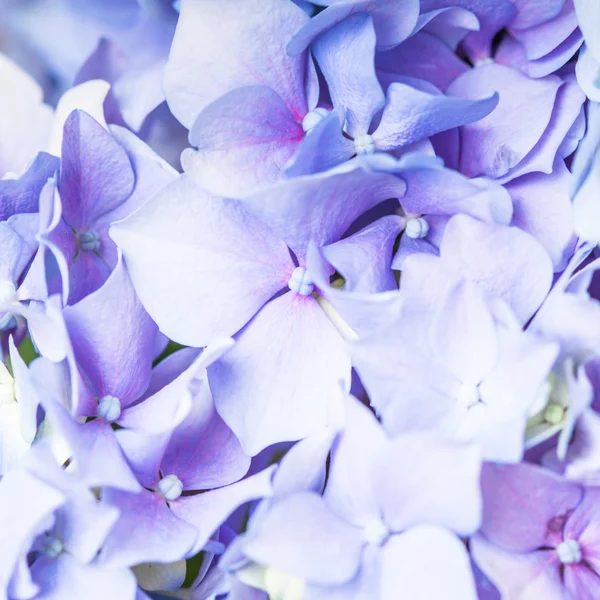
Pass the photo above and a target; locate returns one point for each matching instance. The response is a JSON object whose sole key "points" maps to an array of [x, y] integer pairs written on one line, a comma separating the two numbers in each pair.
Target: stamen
{"points": [[569, 552], [170, 487], [376, 532], [300, 282], [416, 228], [109, 409], [364, 144], [89, 241]]}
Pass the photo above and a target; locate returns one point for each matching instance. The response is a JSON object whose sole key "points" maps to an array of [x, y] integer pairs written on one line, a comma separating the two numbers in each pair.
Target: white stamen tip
{"points": [[170, 487], [416, 228], [313, 118], [364, 144], [569, 552], [109, 409], [53, 547], [467, 395], [300, 282], [376, 532]]}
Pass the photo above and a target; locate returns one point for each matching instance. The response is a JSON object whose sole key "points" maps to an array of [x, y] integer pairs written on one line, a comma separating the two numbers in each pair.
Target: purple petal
{"points": [[535, 514], [203, 452], [345, 55], [320, 208], [65, 577], [201, 68], [464, 334], [552, 226], [96, 175], [202, 239], [410, 559], [525, 576], [288, 389], [394, 21], [411, 115], [206, 512], [451, 499], [300, 535], [113, 338], [364, 259], [498, 142], [422, 56], [22, 195], [147, 531], [243, 141], [323, 147]]}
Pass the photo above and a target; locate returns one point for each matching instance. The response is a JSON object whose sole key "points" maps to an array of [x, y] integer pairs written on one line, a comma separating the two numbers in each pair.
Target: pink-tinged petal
{"points": [[552, 226], [364, 259], [394, 21], [497, 143], [147, 531], [524, 506], [65, 577], [300, 535], [96, 174], [422, 56], [113, 338], [292, 387], [323, 147], [529, 576], [182, 239], [583, 525], [426, 562], [452, 499], [411, 115], [243, 141], [320, 208], [203, 452], [207, 511], [346, 55], [201, 68], [581, 582]]}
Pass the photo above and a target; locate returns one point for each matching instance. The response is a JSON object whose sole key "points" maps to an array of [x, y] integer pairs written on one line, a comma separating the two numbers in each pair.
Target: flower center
{"points": [[313, 118], [89, 241], [554, 414], [170, 487], [569, 552], [364, 144], [376, 532], [416, 227], [467, 395], [52, 547], [301, 282], [109, 409]]}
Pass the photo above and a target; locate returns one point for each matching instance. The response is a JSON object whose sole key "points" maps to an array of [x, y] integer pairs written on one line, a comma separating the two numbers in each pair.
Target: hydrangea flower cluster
{"points": [[300, 300]]}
